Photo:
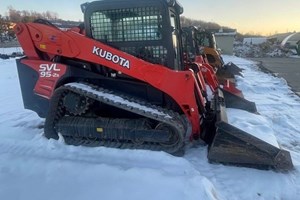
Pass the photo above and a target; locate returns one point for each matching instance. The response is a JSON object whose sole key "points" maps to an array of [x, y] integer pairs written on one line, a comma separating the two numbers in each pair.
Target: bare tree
{"points": [[50, 15], [28, 16], [198, 23], [4, 28], [14, 15]]}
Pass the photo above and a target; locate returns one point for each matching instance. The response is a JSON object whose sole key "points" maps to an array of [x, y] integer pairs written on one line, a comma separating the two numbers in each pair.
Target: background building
{"points": [[225, 40]]}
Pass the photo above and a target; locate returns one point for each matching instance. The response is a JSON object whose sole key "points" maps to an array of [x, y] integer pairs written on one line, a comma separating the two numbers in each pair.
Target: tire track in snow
{"points": [[41, 148]]}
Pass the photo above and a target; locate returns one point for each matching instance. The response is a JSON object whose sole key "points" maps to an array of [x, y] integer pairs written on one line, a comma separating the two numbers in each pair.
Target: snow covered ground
{"points": [[34, 168], [11, 50]]}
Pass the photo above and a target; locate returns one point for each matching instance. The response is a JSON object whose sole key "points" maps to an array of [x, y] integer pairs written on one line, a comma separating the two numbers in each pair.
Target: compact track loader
{"points": [[193, 53], [206, 44], [119, 80]]}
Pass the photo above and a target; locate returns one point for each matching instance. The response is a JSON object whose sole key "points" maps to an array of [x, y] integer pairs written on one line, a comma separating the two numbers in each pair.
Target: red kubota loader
{"points": [[120, 81], [202, 44], [193, 53], [207, 42]]}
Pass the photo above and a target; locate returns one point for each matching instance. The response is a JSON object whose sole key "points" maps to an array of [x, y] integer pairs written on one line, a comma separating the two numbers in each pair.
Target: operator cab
{"points": [[206, 39], [147, 29]]}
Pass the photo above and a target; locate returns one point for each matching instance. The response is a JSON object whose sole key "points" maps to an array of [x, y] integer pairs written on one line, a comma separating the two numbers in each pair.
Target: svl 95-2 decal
{"points": [[49, 70]]}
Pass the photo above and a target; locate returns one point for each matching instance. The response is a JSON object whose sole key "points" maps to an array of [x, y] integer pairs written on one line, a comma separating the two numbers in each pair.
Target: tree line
{"points": [[29, 16], [186, 22], [15, 16]]}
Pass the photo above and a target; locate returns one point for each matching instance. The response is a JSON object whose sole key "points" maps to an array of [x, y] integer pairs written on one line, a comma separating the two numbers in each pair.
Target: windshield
{"points": [[131, 24]]}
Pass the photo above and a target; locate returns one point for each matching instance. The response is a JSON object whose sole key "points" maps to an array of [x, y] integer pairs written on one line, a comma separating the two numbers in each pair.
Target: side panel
{"points": [[38, 80], [28, 78], [48, 75]]}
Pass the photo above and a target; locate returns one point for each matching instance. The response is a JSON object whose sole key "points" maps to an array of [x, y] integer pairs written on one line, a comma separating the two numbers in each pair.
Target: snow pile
{"points": [[254, 124], [32, 167], [266, 49], [277, 52], [11, 52], [274, 100]]}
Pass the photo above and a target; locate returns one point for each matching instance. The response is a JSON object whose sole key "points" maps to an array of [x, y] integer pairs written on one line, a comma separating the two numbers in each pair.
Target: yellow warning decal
{"points": [[43, 46], [99, 130]]}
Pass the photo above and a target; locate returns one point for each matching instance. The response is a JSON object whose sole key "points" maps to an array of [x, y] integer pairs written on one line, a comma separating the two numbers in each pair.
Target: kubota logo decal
{"points": [[111, 57], [49, 70]]}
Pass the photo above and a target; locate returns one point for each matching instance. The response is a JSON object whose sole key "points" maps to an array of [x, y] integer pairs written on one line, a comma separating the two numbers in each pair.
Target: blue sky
{"points": [[66, 9], [257, 16]]}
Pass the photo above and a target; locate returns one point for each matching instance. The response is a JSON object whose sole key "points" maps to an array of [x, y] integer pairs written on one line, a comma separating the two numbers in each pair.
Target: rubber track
{"points": [[123, 102]]}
